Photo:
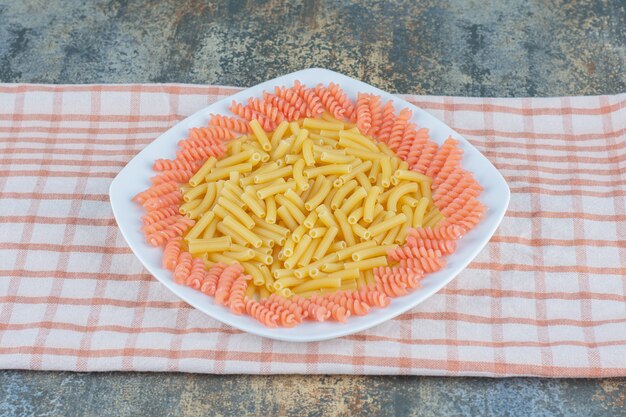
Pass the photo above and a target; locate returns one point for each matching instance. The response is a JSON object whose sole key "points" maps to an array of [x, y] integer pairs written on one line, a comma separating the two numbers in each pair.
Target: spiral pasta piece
{"points": [[450, 165], [175, 164], [443, 192], [428, 265], [446, 247], [160, 214], [363, 113], [196, 275], [291, 96], [159, 238], [425, 158], [274, 301], [342, 98], [155, 191], [376, 112], [329, 101], [391, 284], [388, 119], [314, 311], [209, 284], [162, 224], [216, 133], [398, 129], [199, 142], [337, 312], [179, 176], [290, 111], [409, 136], [260, 312], [408, 252], [246, 112], [183, 267], [441, 157], [237, 294], [201, 153], [371, 296], [465, 189], [284, 317], [314, 106], [164, 200], [445, 233], [267, 109], [417, 146], [352, 305], [231, 123], [171, 253], [225, 283]]}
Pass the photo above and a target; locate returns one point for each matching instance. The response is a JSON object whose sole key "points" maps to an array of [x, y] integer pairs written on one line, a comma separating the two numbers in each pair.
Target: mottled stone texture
{"points": [[471, 47], [126, 394], [476, 48]]}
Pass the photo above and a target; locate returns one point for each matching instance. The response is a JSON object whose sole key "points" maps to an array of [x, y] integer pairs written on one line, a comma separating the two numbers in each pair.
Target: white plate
{"points": [[135, 178]]}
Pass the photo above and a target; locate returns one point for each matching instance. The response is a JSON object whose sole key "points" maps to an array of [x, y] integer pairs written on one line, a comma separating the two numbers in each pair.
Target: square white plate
{"points": [[135, 178]]}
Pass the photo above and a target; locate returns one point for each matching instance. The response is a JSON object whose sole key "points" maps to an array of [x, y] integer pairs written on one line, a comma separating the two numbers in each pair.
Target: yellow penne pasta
{"points": [[367, 263], [237, 158], [275, 188], [307, 152], [200, 225], [310, 123], [260, 134], [355, 198], [247, 234], [372, 252], [387, 224], [270, 210], [317, 198], [335, 169], [279, 133], [399, 191], [316, 284], [385, 168], [344, 227], [198, 177], [218, 244], [237, 212]]}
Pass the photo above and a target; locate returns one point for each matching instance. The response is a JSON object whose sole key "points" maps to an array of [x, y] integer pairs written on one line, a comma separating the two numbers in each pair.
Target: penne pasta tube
{"points": [[275, 188], [237, 158], [318, 283], [372, 252], [198, 177], [367, 263], [335, 169], [260, 134], [341, 194], [298, 175], [279, 133], [370, 203], [399, 191], [344, 227], [218, 244], [200, 225], [310, 123], [248, 235], [270, 210], [387, 224]]}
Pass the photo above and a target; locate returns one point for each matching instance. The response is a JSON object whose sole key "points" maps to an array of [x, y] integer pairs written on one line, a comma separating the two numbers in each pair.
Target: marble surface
{"points": [[475, 48]]}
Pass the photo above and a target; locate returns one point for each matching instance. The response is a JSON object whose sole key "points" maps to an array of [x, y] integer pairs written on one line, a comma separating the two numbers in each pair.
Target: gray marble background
{"points": [[464, 47]]}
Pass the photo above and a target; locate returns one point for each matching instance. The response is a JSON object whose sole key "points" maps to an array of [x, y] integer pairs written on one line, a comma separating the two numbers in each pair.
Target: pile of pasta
{"points": [[307, 206]]}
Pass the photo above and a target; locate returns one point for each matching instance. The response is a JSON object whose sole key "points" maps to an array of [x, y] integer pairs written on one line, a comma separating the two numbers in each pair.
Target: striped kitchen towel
{"points": [[546, 297]]}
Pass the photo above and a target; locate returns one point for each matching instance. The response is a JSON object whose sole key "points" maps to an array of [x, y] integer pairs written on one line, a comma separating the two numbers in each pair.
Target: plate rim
{"points": [[224, 315]]}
